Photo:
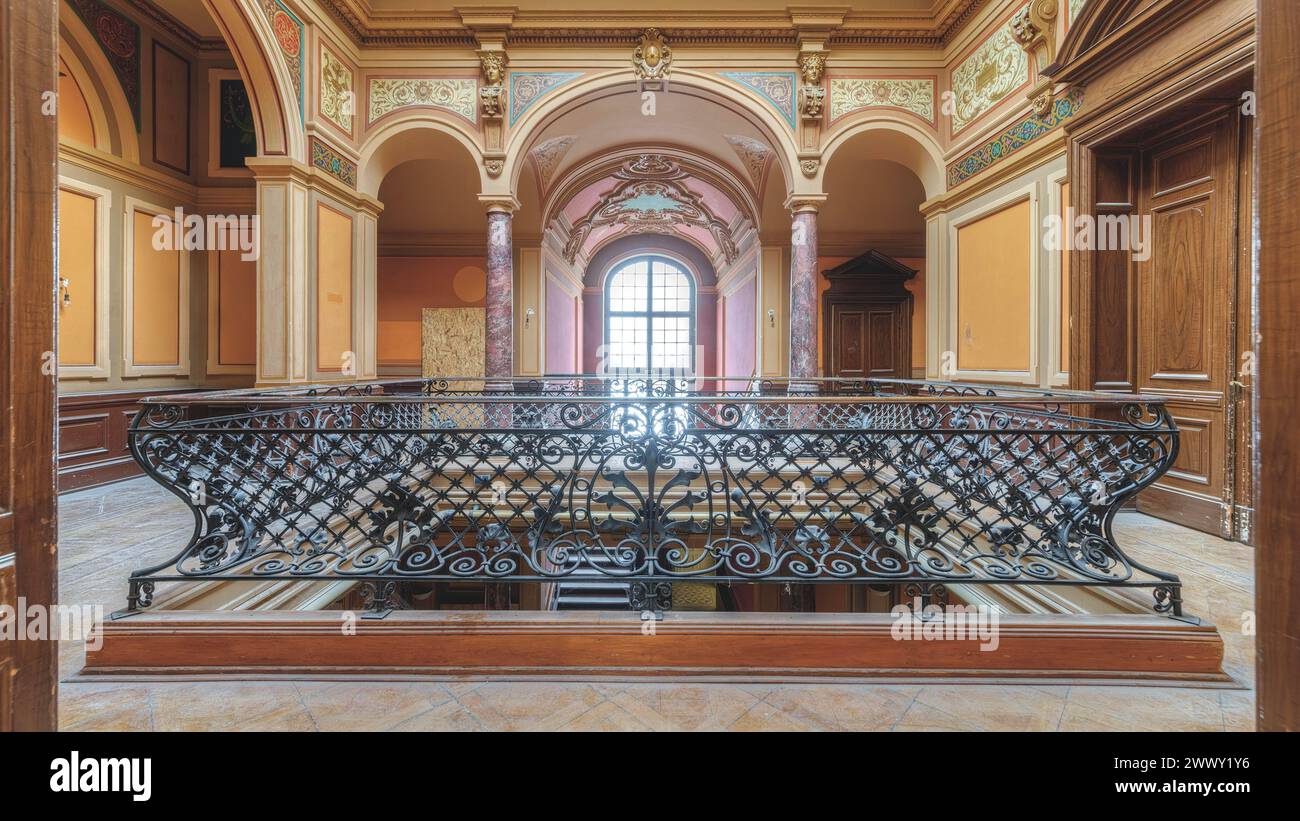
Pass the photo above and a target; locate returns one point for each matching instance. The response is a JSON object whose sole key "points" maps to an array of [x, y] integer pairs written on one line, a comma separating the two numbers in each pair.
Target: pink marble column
{"points": [[803, 293], [500, 354]]}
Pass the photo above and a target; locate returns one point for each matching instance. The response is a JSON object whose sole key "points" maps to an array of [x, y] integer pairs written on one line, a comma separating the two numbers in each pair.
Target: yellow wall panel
{"points": [[333, 287], [155, 298], [993, 290], [77, 264]]}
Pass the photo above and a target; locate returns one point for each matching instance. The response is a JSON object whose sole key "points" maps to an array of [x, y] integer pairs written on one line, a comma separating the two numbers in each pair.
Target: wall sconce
{"points": [[771, 317], [528, 317]]}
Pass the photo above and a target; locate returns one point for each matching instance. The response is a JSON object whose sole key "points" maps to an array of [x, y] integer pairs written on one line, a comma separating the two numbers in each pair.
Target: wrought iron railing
{"points": [[865, 482]]}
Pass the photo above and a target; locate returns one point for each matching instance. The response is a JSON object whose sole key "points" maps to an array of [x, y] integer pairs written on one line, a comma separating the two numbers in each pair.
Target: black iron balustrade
{"points": [[865, 482]]}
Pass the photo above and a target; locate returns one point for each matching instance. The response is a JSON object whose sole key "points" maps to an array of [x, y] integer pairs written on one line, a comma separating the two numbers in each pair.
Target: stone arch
{"points": [[110, 111], [734, 97], [277, 113], [404, 138], [897, 141]]}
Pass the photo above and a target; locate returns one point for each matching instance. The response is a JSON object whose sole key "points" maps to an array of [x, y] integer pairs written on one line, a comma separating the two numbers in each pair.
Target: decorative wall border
{"points": [[1014, 138], [349, 94], [931, 119], [1003, 27], [424, 92], [332, 161], [527, 87], [288, 32], [118, 37], [776, 87]]}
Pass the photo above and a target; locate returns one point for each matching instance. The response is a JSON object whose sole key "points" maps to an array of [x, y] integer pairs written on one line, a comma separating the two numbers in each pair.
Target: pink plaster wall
{"points": [[562, 328], [737, 331]]}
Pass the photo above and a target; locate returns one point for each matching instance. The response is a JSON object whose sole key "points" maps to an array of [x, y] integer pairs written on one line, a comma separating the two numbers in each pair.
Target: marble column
{"points": [[500, 338], [803, 292]]}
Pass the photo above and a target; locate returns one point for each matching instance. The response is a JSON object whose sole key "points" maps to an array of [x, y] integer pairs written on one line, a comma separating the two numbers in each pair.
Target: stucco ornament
{"points": [[494, 67], [492, 93], [652, 56], [651, 197], [811, 66]]}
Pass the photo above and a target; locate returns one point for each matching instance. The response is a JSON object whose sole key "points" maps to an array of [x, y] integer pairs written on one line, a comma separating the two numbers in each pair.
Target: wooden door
{"points": [[28, 153], [865, 340], [1186, 310]]}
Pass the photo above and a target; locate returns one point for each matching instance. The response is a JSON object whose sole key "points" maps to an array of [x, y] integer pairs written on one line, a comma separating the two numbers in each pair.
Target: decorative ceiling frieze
{"points": [[527, 87], [914, 95], [650, 197], [546, 157], [776, 87], [754, 154], [996, 69], [455, 94]]}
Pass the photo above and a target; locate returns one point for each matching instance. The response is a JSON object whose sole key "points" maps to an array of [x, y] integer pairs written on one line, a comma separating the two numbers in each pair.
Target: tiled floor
{"points": [[107, 532]]}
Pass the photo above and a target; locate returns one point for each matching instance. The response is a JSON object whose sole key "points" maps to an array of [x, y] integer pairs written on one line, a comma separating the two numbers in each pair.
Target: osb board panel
{"points": [[452, 341]]}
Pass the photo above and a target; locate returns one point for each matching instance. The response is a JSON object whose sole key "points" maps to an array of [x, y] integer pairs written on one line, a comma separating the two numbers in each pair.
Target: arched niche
{"points": [[110, 111]]}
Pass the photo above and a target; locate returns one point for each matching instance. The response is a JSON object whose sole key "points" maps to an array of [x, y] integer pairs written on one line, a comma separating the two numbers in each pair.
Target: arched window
{"points": [[650, 316]]}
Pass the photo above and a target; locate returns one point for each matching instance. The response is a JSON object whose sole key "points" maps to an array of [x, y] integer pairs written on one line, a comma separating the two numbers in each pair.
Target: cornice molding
{"points": [[778, 27], [270, 169], [164, 21]]}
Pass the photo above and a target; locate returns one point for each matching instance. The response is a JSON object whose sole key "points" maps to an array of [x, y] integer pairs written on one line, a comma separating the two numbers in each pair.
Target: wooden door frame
{"points": [[28, 344], [1086, 144], [1277, 355]]}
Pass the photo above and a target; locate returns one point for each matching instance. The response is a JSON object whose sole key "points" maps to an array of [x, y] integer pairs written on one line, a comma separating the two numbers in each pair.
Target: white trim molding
{"points": [[1056, 333]]}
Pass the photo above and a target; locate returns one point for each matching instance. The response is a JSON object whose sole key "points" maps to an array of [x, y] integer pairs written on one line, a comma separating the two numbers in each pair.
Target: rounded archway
{"points": [[271, 89], [877, 175], [431, 236], [699, 112]]}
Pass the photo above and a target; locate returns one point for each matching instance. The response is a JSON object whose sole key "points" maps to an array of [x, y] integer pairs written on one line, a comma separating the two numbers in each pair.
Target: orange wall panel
{"points": [[407, 285], [155, 298], [77, 264], [333, 287], [993, 290], [75, 124], [236, 308], [171, 109]]}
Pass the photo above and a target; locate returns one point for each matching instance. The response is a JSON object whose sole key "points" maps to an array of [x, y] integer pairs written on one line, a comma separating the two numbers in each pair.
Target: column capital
{"points": [[804, 203], [499, 203]]}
